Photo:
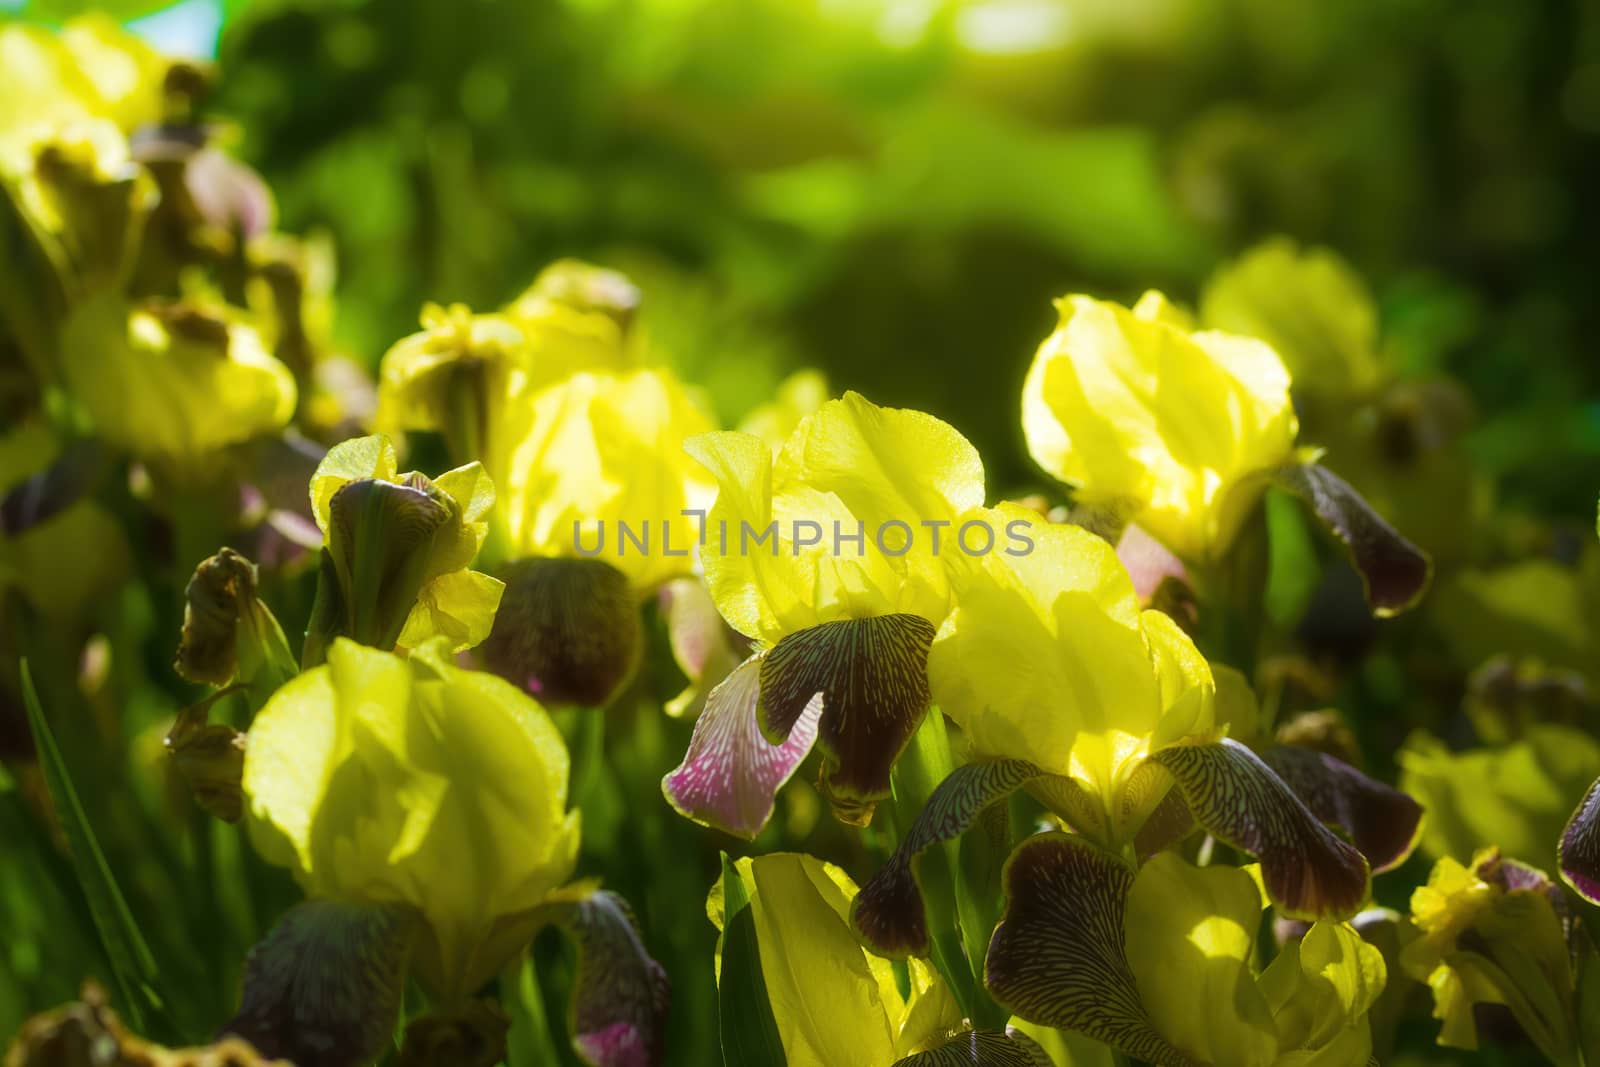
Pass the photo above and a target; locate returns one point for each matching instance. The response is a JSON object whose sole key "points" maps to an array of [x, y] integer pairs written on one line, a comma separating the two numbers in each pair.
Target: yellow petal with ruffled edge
{"points": [[459, 607], [173, 384], [1047, 658], [1321, 987], [1190, 940], [378, 779], [1166, 426], [359, 457], [596, 452], [849, 469]]}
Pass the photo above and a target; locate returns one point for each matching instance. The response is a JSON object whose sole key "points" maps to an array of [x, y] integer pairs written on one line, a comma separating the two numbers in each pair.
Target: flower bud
{"points": [[567, 631]]}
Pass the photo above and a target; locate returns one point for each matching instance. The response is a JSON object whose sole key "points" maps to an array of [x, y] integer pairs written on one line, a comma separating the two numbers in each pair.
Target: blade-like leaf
{"points": [[132, 965], [749, 1032]]}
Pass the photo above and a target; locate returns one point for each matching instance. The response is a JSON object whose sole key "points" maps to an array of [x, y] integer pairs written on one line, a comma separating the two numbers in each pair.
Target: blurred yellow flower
{"points": [[1165, 426], [1494, 932], [598, 456], [173, 383], [92, 69], [383, 780]]}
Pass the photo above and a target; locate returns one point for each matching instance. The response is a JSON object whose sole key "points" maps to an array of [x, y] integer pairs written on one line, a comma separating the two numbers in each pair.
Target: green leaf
{"points": [[132, 965], [749, 1032]]}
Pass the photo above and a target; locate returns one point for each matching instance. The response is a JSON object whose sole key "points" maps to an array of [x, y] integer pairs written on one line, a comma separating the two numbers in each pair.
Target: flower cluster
{"points": [[1065, 814]]}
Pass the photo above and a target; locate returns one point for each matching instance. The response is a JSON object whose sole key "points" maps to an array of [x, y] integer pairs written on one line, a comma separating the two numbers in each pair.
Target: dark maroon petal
{"points": [[981, 1048], [1381, 821], [621, 997], [323, 988], [1579, 851], [1395, 571], [1057, 957], [44, 495], [567, 631], [888, 914], [731, 773], [873, 674], [1309, 872]]}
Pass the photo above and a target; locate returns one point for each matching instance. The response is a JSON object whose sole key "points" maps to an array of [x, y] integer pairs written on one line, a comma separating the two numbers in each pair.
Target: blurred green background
{"points": [[893, 191]]}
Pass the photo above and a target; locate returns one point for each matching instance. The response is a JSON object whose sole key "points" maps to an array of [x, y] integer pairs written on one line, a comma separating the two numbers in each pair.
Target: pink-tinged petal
{"points": [[621, 997], [1148, 562], [731, 773], [873, 674], [888, 913], [323, 988], [1058, 957], [1395, 571], [1381, 821], [1579, 851], [1309, 872]]}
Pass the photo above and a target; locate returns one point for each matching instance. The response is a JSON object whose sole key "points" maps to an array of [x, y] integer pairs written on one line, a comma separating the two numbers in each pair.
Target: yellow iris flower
{"points": [[833, 1002], [1047, 657], [92, 69], [399, 546], [1166, 426], [173, 384], [1161, 964], [380, 780]]}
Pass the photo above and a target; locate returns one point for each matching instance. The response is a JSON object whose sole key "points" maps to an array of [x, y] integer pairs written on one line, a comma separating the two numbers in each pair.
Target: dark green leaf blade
{"points": [[748, 1030], [132, 964]]}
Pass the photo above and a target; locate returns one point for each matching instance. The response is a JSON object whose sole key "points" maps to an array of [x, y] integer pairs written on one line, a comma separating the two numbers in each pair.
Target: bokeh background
{"points": [[893, 191]]}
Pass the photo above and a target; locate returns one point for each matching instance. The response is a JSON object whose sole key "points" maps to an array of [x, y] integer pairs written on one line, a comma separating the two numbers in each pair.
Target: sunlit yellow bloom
{"points": [[1191, 946], [1161, 964], [597, 456], [382, 780], [1169, 427], [833, 1002], [894, 477], [1047, 657], [173, 383], [1494, 933], [460, 367], [92, 69], [407, 550]]}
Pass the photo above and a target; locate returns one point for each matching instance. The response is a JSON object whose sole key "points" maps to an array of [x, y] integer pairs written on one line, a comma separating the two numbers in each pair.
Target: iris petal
{"points": [[621, 996], [1057, 957], [1383, 823], [1308, 871], [731, 773], [981, 1048], [1395, 572], [323, 987], [873, 674], [888, 913], [1579, 851]]}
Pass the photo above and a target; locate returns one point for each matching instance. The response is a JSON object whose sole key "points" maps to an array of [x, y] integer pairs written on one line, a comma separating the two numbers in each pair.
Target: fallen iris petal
{"points": [[323, 987], [981, 1048], [1057, 956], [731, 773], [1579, 851], [1395, 572], [621, 996], [873, 674], [1383, 823], [1308, 871], [888, 913]]}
